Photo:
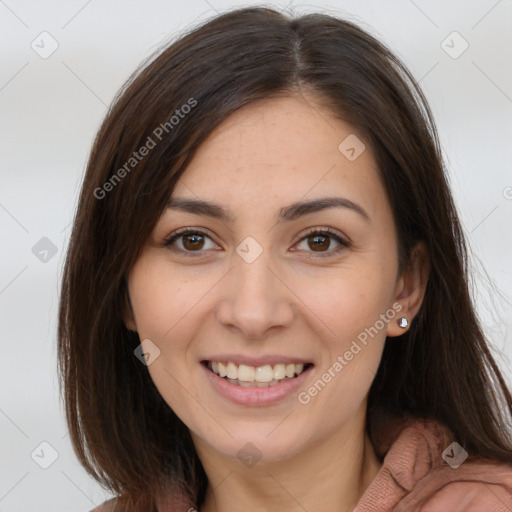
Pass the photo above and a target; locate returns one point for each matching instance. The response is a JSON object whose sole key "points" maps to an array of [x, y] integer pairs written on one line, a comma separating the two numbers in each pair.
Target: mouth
{"points": [[264, 376]]}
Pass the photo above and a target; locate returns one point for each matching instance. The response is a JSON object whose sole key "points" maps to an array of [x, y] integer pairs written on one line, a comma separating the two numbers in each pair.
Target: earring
{"points": [[403, 322]]}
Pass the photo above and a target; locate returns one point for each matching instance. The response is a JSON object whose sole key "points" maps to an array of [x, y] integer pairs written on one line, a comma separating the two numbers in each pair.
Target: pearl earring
{"points": [[403, 322]]}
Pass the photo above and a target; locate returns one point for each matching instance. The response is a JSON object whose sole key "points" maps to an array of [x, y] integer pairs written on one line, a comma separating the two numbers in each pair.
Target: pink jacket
{"points": [[415, 477]]}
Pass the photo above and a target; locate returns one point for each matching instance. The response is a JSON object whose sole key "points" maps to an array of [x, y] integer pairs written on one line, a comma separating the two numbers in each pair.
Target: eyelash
{"points": [[189, 231]]}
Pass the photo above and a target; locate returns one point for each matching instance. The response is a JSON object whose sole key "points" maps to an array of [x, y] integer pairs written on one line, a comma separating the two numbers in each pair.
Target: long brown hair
{"points": [[123, 432]]}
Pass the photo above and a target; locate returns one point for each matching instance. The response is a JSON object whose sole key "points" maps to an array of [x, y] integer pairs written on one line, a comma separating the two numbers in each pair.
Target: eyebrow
{"points": [[288, 213]]}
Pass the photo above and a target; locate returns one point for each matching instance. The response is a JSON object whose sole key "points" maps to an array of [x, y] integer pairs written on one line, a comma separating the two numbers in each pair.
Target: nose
{"points": [[256, 299]]}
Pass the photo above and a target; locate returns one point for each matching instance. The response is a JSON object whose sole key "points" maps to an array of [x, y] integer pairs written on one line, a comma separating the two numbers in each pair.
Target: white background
{"points": [[51, 109]]}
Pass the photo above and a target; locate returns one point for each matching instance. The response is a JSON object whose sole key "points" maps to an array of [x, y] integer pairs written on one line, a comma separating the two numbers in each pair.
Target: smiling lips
{"points": [[272, 380], [259, 376]]}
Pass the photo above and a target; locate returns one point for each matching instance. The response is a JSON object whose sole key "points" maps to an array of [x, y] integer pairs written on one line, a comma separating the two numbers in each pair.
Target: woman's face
{"points": [[259, 290]]}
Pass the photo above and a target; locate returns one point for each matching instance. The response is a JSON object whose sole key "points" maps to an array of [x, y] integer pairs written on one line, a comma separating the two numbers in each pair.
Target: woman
{"points": [[265, 300]]}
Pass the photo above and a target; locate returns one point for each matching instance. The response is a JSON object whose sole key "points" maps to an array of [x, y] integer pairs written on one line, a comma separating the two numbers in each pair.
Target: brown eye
{"points": [[189, 242], [319, 242], [193, 241]]}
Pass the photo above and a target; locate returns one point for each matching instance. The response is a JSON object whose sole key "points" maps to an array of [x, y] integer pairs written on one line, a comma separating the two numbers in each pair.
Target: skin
{"points": [[290, 300]]}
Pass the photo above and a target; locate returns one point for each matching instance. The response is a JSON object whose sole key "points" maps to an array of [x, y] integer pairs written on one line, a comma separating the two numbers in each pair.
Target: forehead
{"points": [[280, 150]]}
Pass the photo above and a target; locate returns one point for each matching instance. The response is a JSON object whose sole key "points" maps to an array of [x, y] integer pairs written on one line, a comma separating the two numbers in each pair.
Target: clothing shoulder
{"points": [[477, 485], [470, 496], [174, 503], [111, 505], [424, 470]]}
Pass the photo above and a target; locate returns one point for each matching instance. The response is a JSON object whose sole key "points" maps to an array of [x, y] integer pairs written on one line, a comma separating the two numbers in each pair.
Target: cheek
{"points": [[163, 305], [346, 300], [354, 336], [348, 306], [169, 308], [165, 301]]}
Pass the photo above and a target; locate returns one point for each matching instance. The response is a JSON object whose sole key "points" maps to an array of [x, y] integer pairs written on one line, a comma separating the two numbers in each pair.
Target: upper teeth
{"points": [[265, 373]]}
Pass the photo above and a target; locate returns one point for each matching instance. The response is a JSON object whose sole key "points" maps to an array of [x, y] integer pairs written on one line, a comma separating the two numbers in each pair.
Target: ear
{"points": [[128, 316], [410, 288]]}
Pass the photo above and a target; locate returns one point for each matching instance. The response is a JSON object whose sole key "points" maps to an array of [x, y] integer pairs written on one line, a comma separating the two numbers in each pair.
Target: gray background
{"points": [[51, 108]]}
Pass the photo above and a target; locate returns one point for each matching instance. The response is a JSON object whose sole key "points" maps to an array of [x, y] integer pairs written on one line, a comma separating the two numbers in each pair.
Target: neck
{"points": [[330, 475]]}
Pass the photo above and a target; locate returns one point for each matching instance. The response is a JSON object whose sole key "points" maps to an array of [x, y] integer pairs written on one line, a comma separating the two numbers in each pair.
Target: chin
{"points": [[252, 445]]}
